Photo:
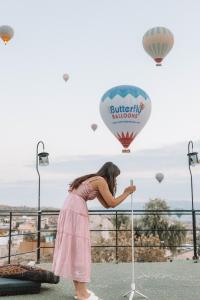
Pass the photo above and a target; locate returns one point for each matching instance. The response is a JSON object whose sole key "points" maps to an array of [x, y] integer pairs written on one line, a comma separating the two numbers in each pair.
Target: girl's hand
{"points": [[130, 189]]}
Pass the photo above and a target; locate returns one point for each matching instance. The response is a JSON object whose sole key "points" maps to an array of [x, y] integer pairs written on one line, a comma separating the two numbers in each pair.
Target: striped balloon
{"points": [[157, 42]]}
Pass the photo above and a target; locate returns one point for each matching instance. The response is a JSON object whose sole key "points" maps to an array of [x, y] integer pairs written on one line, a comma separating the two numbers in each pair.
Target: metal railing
{"points": [[11, 215]]}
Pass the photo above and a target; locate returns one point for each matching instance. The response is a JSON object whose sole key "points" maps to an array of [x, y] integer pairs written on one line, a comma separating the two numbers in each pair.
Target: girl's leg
{"points": [[81, 290]]}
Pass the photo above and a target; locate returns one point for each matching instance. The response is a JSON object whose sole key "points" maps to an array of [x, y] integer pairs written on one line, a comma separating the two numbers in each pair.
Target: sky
{"points": [[99, 44]]}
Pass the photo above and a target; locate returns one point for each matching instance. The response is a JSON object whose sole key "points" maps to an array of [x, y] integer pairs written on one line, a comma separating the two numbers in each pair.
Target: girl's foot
{"points": [[92, 297], [90, 292]]}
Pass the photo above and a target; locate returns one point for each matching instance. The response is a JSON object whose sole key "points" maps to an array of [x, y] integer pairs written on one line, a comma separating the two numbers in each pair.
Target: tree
{"points": [[176, 235], [121, 220], [173, 234], [152, 232], [146, 248], [149, 249], [103, 254]]}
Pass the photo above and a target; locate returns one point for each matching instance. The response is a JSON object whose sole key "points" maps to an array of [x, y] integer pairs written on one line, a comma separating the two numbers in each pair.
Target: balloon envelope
{"points": [[125, 110], [65, 77], [94, 127], [6, 33], [159, 177], [157, 42]]}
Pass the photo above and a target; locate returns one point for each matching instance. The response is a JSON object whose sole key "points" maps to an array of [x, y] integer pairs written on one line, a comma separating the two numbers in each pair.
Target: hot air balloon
{"points": [[66, 77], [6, 33], [125, 110], [159, 177], [157, 42], [94, 127]]}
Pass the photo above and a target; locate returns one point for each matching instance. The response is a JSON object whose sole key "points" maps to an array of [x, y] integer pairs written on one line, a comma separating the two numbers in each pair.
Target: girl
{"points": [[72, 253]]}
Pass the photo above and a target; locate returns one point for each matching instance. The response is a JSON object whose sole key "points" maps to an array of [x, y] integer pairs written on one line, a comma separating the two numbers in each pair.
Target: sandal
{"points": [[75, 297], [93, 297]]}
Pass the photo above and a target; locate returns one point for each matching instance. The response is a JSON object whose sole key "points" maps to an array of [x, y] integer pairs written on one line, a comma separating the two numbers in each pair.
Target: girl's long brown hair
{"points": [[108, 171]]}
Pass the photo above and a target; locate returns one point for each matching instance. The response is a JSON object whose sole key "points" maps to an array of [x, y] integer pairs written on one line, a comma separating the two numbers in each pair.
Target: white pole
{"points": [[133, 292], [133, 245]]}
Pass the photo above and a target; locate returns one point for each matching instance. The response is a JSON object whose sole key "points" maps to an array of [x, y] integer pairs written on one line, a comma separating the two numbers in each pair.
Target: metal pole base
{"points": [[133, 293]]}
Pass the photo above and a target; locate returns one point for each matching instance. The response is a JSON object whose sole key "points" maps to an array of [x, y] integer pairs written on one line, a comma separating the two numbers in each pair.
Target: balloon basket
{"points": [[126, 150]]}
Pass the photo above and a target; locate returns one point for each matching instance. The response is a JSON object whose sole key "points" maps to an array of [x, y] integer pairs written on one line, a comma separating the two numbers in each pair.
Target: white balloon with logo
{"points": [[125, 110]]}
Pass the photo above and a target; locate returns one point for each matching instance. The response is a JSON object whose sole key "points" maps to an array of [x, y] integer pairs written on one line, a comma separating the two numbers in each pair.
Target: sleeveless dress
{"points": [[72, 253]]}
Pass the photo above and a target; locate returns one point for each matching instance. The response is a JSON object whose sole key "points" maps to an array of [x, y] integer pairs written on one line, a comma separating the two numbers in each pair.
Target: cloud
{"points": [[139, 165]]}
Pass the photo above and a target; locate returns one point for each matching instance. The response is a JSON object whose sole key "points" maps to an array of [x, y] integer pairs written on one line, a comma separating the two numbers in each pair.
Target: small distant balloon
{"points": [[66, 77], [157, 42], [94, 127], [6, 33], [159, 177]]}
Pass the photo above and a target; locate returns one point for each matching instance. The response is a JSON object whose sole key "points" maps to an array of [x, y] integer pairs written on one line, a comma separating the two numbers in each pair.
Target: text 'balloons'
{"points": [[125, 110], [157, 42]]}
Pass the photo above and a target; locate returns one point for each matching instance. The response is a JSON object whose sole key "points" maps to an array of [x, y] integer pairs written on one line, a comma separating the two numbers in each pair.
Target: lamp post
{"points": [[41, 160], [192, 161]]}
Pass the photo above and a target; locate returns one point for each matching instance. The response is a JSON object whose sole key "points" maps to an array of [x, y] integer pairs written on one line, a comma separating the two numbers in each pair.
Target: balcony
{"points": [[176, 278]]}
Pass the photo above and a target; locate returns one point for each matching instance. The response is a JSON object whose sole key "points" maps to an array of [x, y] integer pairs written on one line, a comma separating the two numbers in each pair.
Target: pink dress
{"points": [[72, 253]]}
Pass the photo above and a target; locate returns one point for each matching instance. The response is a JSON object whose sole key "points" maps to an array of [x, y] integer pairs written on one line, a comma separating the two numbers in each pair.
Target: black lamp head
{"points": [[43, 158], [193, 158]]}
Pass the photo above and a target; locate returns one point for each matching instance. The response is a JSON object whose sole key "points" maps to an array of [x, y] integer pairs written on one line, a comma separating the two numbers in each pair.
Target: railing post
{"points": [[10, 238], [38, 236], [116, 244], [194, 231]]}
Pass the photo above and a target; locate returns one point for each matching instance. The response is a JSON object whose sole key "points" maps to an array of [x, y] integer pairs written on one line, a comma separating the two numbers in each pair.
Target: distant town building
{"points": [[27, 227]]}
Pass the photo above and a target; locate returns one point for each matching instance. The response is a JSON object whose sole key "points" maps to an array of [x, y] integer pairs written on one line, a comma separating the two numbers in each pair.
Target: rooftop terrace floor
{"points": [[178, 280]]}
